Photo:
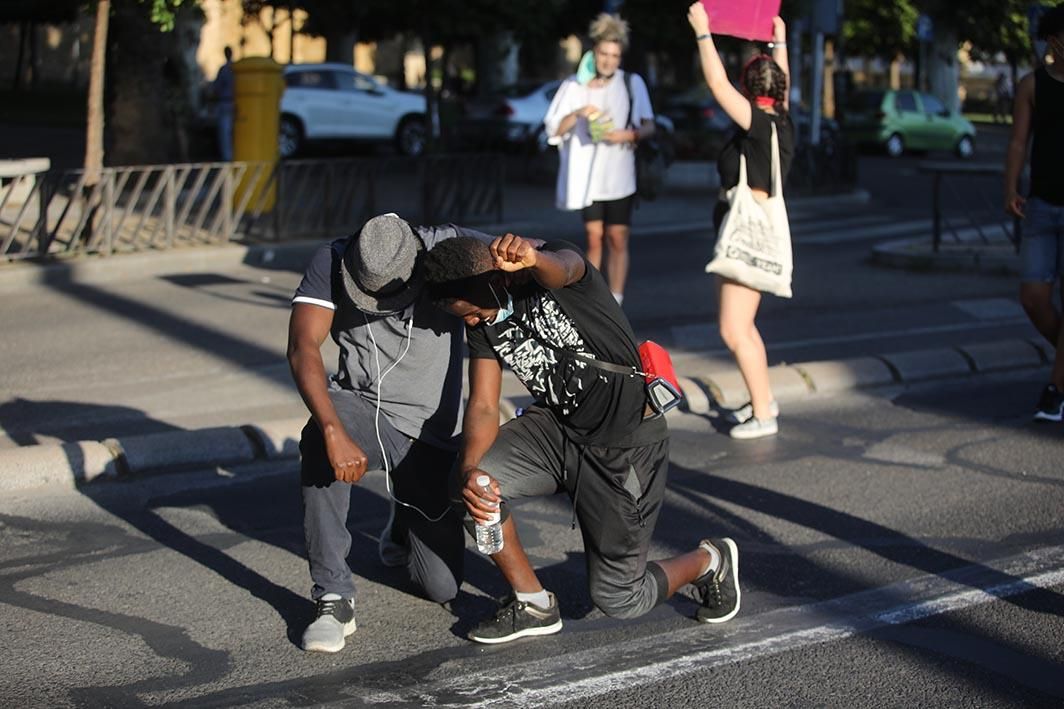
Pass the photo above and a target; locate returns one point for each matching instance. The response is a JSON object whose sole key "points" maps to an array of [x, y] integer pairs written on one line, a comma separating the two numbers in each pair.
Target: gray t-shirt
{"points": [[422, 395]]}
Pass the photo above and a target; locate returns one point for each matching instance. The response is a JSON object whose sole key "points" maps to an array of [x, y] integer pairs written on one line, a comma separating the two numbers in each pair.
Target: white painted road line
{"points": [[625, 665]]}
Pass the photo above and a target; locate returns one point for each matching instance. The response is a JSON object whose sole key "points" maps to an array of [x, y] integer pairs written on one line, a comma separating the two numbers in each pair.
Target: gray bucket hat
{"points": [[380, 266]]}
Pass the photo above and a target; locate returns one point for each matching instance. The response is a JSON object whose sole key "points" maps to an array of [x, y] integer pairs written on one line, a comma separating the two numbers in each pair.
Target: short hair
{"points": [[460, 267], [609, 28], [1051, 23]]}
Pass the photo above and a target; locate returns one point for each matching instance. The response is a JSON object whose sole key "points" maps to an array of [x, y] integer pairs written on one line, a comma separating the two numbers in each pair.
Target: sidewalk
{"points": [[707, 382]]}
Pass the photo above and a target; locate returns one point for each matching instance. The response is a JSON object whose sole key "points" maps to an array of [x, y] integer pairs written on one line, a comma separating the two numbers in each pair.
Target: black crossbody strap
{"points": [[606, 366]]}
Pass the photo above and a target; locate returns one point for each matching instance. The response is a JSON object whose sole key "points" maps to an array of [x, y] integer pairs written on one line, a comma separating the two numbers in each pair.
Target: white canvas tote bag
{"points": [[754, 244]]}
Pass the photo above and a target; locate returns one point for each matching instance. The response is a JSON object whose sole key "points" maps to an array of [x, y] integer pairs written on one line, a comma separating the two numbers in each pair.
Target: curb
{"points": [[995, 258], [71, 465]]}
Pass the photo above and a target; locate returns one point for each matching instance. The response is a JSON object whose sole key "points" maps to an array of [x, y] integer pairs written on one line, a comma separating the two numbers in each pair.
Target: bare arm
{"points": [[551, 270], [307, 329], [1016, 155], [779, 55], [480, 427], [734, 103]]}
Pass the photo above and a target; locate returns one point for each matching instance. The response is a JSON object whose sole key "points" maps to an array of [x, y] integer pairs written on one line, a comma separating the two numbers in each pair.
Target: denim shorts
{"points": [[1042, 246]]}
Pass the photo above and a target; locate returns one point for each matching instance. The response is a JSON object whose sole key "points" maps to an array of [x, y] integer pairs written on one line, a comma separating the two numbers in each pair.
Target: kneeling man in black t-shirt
{"points": [[547, 313]]}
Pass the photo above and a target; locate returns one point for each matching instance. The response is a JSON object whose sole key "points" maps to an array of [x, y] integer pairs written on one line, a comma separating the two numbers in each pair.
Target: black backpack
{"points": [[650, 165]]}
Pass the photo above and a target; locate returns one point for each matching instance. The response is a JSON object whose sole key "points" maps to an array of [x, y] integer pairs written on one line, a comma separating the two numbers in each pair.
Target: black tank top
{"points": [[1047, 148]]}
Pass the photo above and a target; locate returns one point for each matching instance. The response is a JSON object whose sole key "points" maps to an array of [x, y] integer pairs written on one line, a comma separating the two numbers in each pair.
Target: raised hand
{"points": [[779, 29], [696, 15], [513, 253]]}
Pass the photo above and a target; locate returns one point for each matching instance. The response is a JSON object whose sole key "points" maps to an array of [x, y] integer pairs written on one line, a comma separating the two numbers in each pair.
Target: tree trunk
{"points": [[895, 70], [340, 46], [94, 124], [431, 98], [35, 56], [16, 80]]}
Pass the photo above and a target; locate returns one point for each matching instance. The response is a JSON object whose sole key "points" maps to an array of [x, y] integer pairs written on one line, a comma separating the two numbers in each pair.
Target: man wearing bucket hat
{"points": [[394, 404]]}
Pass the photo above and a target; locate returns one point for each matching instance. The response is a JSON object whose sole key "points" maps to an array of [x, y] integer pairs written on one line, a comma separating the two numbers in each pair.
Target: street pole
{"points": [[818, 87]]}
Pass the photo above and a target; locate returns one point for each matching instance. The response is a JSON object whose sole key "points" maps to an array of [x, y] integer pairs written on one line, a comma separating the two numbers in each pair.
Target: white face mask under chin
{"points": [[504, 313]]}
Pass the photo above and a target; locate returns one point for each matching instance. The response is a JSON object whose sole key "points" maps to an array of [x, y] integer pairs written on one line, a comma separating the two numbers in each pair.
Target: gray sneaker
{"points": [[755, 428], [334, 621], [746, 412]]}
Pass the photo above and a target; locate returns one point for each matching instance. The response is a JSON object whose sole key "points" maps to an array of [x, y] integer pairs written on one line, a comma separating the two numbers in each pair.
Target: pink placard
{"points": [[747, 19]]}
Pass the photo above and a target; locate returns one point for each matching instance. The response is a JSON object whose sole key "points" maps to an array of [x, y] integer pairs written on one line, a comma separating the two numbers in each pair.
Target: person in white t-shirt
{"points": [[590, 124]]}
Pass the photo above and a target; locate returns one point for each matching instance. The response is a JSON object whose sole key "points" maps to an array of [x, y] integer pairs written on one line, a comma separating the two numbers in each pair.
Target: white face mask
{"points": [[503, 313]]}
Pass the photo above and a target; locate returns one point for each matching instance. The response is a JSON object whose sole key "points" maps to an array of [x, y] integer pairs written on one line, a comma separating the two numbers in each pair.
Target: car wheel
{"points": [[895, 146], [290, 137], [965, 147], [411, 136]]}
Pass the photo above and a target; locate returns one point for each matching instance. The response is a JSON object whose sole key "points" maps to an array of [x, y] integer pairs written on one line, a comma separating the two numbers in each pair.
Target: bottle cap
{"points": [[483, 480]]}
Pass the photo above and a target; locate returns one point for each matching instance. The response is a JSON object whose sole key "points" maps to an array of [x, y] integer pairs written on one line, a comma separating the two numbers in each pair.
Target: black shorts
{"points": [[615, 211]]}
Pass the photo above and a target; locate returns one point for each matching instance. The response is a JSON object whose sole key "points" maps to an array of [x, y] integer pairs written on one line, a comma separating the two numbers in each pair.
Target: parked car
{"points": [[898, 121], [510, 117], [333, 101], [513, 117]]}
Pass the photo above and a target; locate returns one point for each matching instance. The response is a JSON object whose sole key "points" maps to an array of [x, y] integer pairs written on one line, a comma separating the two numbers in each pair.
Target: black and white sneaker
{"points": [[517, 619], [719, 588], [333, 621], [1051, 405]]}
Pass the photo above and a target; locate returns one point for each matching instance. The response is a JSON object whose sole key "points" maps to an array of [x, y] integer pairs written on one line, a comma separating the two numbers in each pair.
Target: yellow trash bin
{"points": [[258, 86]]}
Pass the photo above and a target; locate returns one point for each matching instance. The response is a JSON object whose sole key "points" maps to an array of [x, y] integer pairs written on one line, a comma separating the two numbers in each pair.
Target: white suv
{"points": [[333, 101]]}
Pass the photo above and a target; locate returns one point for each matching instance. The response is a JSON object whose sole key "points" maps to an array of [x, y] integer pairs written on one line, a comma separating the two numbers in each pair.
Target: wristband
{"points": [[700, 37], [773, 45]]}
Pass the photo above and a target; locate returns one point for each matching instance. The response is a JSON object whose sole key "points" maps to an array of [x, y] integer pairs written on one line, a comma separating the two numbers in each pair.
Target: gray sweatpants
{"points": [[419, 474], [617, 494]]}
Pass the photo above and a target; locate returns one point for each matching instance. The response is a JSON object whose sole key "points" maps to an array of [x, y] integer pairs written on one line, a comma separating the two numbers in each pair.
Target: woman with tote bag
{"points": [[753, 253]]}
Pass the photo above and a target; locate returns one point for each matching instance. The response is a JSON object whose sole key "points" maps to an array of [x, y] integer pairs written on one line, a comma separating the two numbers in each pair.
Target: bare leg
{"points": [[684, 569], [617, 267], [594, 243], [1037, 301], [738, 307], [513, 563]]}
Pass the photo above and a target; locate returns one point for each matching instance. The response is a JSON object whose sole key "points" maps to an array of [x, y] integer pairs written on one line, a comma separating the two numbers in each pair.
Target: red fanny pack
{"points": [[663, 387]]}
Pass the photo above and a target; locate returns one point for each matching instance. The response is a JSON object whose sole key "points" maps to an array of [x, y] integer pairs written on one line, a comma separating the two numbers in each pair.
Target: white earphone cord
{"points": [[377, 415]]}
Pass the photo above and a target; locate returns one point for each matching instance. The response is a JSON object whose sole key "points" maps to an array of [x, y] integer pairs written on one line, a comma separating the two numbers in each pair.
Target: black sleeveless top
{"points": [[1047, 147], [756, 145]]}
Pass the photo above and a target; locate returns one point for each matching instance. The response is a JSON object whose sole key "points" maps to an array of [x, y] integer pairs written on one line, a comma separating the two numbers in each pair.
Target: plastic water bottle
{"points": [[489, 534]]}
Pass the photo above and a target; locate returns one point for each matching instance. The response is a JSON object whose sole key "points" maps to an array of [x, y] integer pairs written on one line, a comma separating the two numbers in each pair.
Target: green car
{"points": [[906, 120]]}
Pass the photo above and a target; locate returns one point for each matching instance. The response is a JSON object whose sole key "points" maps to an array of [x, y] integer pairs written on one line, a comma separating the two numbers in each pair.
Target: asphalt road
{"points": [[902, 549], [898, 548]]}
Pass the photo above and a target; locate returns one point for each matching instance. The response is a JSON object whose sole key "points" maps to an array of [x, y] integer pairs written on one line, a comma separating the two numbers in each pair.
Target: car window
{"points": [[905, 102], [354, 82], [933, 105], [309, 80]]}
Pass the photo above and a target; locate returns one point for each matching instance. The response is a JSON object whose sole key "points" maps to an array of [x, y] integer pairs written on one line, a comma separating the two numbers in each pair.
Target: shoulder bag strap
{"points": [[628, 88], [606, 366], [777, 173]]}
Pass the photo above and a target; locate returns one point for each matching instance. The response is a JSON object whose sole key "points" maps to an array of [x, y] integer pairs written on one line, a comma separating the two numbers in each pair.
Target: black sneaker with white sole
{"points": [[719, 588], [334, 620], [1051, 405], [518, 619]]}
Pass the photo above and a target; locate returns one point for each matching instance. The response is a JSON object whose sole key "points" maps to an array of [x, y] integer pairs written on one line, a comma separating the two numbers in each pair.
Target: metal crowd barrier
{"points": [[168, 206], [981, 216]]}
